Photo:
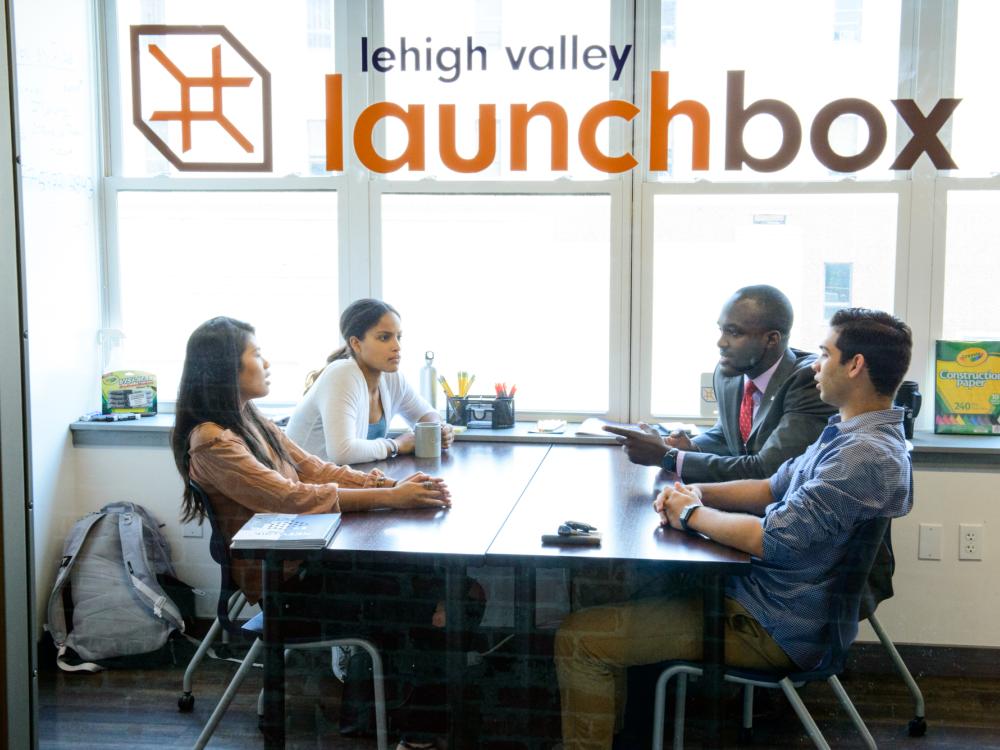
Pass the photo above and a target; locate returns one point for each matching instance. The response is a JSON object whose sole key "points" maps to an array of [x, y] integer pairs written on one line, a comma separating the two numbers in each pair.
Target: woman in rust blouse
{"points": [[246, 465]]}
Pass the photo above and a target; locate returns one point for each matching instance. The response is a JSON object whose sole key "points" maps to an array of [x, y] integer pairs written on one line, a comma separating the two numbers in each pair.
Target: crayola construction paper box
{"points": [[128, 392], [967, 397]]}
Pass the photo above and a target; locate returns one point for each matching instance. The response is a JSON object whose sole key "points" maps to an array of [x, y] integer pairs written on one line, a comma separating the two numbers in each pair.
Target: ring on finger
{"points": [[428, 485]]}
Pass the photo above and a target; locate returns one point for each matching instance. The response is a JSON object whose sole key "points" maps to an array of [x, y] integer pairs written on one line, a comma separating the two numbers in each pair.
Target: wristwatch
{"points": [[669, 460], [686, 515], [394, 450]]}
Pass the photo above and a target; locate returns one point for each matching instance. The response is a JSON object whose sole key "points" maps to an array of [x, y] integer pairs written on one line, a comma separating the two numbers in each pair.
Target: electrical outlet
{"points": [[970, 541], [192, 530], [929, 542]]}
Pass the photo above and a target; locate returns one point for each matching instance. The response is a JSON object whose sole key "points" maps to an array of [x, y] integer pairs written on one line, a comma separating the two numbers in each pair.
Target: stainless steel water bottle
{"points": [[428, 380]]}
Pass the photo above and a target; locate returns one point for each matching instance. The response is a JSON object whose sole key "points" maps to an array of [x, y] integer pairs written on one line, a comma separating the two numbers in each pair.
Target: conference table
{"points": [[505, 496]]}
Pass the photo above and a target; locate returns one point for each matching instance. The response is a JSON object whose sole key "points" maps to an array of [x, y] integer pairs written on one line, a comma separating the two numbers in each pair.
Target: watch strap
{"points": [[686, 513]]}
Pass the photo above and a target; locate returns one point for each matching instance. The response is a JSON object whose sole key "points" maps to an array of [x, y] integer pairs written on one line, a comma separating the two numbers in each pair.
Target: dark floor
{"points": [[138, 709]]}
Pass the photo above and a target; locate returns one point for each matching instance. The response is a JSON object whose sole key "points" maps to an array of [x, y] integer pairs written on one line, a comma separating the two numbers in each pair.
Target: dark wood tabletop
{"points": [[485, 479], [600, 486], [505, 496]]}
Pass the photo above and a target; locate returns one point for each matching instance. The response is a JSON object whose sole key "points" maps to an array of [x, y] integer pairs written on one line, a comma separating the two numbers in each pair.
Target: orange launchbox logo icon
{"points": [[201, 98]]}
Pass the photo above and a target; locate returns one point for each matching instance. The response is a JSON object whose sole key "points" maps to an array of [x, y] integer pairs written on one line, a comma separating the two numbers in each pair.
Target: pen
{"points": [[513, 390]]}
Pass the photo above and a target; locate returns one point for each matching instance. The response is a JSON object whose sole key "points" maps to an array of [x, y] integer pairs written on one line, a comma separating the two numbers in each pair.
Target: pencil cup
{"points": [[503, 413], [455, 413], [427, 439]]}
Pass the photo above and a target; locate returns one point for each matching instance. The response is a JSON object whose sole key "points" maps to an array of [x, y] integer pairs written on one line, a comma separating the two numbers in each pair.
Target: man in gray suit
{"points": [[769, 406]]}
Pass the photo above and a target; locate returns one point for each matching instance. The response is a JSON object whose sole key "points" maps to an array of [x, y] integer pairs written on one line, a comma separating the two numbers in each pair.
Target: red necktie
{"points": [[746, 410]]}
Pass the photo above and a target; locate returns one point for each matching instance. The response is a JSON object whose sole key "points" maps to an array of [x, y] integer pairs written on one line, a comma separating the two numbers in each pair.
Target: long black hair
{"points": [[210, 392], [358, 318]]}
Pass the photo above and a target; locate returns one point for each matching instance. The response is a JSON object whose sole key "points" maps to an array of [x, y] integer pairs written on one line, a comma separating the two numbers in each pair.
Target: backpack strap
{"points": [[86, 666], [131, 531], [157, 544], [57, 609]]}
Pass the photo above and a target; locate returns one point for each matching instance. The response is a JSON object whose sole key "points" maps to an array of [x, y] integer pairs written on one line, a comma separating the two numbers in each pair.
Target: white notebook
{"points": [[287, 531]]}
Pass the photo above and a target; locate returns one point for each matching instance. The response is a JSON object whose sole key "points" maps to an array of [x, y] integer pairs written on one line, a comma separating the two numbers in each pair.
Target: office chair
{"points": [[840, 629], [235, 605], [877, 589], [231, 601]]}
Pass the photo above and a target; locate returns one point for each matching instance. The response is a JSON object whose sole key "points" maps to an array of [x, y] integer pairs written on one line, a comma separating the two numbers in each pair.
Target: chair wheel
{"points": [[185, 704], [745, 736], [917, 727]]}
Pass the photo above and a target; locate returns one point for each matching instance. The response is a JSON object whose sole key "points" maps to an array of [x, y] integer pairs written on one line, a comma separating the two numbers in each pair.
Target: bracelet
{"points": [[395, 448]]}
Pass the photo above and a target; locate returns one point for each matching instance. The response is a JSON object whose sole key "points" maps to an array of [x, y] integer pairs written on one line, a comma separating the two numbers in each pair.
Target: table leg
{"points": [[274, 658], [455, 653], [714, 656]]}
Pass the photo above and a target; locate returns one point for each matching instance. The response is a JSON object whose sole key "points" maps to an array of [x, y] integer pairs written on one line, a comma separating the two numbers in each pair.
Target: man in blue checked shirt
{"points": [[796, 525]]}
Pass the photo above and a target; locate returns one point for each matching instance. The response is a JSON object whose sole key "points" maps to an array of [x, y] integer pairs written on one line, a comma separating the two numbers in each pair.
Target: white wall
{"points": [[56, 131], [937, 602], [947, 601]]}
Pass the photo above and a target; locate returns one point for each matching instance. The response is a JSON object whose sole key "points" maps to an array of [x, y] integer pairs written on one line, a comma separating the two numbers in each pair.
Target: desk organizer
{"points": [[481, 412]]}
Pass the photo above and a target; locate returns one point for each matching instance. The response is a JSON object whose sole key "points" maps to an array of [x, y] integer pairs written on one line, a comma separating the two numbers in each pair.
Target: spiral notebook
{"points": [[287, 531]]}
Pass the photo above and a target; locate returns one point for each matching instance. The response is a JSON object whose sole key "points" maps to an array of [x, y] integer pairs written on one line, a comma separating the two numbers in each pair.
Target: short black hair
{"points": [[882, 339], [773, 307]]}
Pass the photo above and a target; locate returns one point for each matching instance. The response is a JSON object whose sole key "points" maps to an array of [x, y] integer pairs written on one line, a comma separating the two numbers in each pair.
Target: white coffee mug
{"points": [[427, 439]]}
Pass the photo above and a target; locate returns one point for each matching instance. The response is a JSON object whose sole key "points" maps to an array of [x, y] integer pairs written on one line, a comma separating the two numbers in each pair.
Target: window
{"points": [[512, 288], [274, 39], [972, 266], [706, 247], [555, 240], [316, 138], [973, 128], [511, 270], [847, 20], [319, 33], [262, 257], [699, 57], [837, 288], [523, 52], [824, 245], [261, 247], [668, 23]]}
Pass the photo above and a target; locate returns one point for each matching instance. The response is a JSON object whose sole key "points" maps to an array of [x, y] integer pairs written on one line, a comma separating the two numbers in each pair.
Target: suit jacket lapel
{"points": [[781, 374]]}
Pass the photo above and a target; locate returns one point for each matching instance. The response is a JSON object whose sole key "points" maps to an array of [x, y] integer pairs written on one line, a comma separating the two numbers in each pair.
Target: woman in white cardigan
{"points": [[348, 405]]}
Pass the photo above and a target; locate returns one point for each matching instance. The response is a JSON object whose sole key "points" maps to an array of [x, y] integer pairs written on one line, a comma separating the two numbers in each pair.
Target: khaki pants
{"points": [[594, 646]]}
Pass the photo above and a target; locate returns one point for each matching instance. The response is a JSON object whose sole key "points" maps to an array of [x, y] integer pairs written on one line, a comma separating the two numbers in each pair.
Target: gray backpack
{"points": [[110, 562]]}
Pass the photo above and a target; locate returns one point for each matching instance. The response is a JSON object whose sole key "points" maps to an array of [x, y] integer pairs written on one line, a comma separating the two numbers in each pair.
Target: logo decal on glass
{"points": [[201, 98]]}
